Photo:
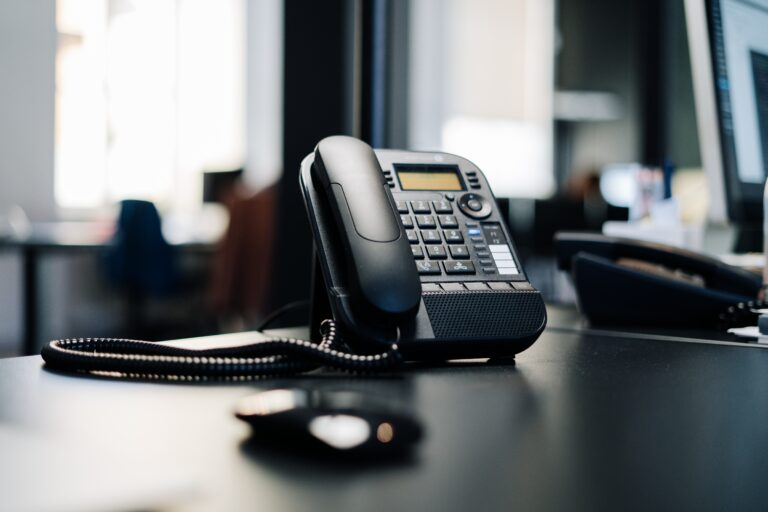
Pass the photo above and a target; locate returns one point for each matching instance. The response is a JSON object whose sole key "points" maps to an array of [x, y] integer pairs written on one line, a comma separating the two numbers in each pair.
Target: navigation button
{"points": [[474, 205], [459, 267], [474, 232]]}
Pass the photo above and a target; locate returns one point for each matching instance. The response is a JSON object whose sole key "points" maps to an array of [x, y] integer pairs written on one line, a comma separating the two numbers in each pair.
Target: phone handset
{"points": [[383, 278]]}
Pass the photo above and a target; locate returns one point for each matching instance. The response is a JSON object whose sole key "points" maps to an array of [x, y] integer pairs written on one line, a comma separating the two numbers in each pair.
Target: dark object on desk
{"points": [[622, 282], [405, 257], [331, 422]]}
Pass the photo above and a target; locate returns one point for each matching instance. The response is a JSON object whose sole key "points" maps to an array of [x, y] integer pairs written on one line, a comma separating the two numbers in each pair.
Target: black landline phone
{"points": [[412, 249], [416, 264], [630, 283]]}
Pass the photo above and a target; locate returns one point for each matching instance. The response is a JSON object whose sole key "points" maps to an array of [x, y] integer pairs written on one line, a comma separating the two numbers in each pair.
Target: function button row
{"points": [[503, 259], [390, 180], [473, 180], [451, 267], [477, 286]]}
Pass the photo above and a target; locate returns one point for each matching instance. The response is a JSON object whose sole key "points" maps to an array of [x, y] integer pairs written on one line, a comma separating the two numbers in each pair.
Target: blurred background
{"points": [[149, 149]]}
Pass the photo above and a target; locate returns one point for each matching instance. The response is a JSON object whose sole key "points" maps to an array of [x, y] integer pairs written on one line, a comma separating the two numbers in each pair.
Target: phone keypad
{"points": [[444, 243]]}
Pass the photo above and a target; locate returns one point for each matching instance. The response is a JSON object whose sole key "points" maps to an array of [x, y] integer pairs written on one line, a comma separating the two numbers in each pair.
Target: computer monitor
{"points": [[728, 42]]}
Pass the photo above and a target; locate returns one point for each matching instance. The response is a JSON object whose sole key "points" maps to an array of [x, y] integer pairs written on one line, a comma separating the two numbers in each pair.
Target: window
{"points": [[481, 83], [149, 93]]}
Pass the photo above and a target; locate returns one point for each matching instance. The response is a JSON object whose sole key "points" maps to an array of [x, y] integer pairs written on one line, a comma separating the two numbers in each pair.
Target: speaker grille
{"points": [[484, 314]]}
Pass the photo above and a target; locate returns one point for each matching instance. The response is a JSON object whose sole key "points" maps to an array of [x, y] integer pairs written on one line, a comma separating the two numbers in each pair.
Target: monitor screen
{"points": [[738, 41]]}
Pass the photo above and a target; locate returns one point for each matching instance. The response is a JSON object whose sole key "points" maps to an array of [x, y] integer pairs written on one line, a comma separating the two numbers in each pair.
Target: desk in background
{"points": [[68, 237], [583, 421]]}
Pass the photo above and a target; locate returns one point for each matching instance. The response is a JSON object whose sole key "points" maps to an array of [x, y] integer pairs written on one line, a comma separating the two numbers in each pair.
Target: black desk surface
{"points": [[582, 422]]}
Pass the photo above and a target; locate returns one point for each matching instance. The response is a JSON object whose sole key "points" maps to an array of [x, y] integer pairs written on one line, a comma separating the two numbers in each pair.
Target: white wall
{"points": [[264, 92], [27, 58], [27, 67]]}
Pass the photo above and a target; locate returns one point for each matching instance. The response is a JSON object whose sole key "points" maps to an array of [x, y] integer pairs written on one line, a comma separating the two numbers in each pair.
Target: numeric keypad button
{"points": [[428, 267], [459, 267], [459, 252], [447, 221], [442, 206], [420, 207], [453, 236], [425, 221], [430, 236], [436, 252]]}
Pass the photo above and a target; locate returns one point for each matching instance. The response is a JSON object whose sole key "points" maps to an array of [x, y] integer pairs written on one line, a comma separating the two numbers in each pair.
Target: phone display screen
{"points": [[429, 178]]}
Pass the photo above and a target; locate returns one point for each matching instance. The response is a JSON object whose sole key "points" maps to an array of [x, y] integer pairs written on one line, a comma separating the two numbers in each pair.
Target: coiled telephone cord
{"points": [[147, 360]]}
